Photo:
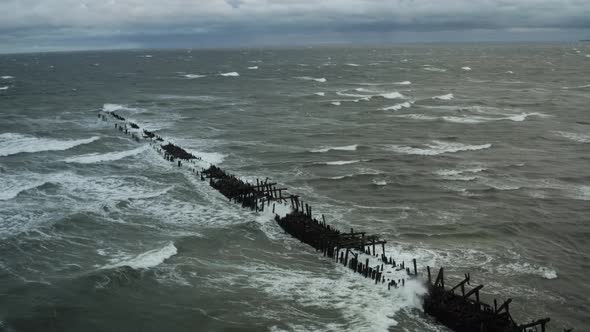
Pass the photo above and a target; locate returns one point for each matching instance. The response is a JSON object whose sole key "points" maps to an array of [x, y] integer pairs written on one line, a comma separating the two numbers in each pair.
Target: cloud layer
{"points": [[60, 22]]}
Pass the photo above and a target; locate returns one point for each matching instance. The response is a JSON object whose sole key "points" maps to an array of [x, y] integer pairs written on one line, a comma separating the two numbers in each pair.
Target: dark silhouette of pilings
{"points": [[461, 312]]}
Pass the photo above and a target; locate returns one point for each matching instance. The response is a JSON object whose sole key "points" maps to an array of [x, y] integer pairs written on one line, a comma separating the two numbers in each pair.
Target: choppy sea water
{"points": [[471, 157]]}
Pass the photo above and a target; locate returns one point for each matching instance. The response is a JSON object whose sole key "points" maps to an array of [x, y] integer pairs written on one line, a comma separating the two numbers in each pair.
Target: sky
{"points": [[59, 25]]}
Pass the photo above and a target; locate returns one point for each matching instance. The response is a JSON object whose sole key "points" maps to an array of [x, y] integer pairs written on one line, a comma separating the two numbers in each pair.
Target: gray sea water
{"points": [[472, 157]]}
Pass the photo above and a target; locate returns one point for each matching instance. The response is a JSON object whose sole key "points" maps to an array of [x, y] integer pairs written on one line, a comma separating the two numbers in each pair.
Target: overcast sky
{"points": [[40, 25]]}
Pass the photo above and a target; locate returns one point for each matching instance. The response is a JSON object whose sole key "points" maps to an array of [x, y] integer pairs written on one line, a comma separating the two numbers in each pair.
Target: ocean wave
{"points": [[393, 95], [576, 87], [448, 96], [11, 143], [466, 68], [147, 259], [7, 77], [527, 268], [118, 107], [336, 148], [230, 74], [580, 138], [397, 107], [4, 88], [438, 147], [353, 65], [403, 83], [339, 162], [10, 187], [253, 67], [336, 103], [321, 94], [309, 78], [459, 174], [439, 70], [92, 158], [379, 182], [193, 76]]}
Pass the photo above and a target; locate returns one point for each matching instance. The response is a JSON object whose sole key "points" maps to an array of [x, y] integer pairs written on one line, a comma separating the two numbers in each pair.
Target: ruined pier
{"points": [[458, 307]]}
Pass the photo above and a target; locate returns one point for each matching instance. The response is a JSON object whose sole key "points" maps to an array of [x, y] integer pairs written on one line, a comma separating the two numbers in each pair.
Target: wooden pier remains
{"points": [[458, 308]]}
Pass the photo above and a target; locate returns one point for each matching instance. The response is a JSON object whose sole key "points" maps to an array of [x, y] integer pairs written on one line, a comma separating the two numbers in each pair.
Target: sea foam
{"points": [[336, 148], [111, 156], [437, 147], [231, 74], [193, 76], [309, 78], [11, 143], [147, 259], [398, 107], [448, 96]]}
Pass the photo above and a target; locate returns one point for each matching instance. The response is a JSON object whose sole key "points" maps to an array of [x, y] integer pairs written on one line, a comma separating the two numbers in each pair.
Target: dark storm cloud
{"points": [[76, 23]]}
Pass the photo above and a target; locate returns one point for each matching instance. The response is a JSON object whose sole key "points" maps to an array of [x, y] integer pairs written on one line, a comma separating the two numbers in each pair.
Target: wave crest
{"points": [[11, 143]]}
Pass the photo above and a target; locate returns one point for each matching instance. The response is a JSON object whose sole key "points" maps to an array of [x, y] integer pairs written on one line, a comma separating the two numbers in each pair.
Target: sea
{"points": [[471, 157]]}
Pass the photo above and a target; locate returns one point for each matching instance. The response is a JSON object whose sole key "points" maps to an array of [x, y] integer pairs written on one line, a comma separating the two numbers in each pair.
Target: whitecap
{"points": [[146, 56], [580, 138], [448, 96], [336, 148], [147, 259], [440, 70], [231, 74], [118, 107], [466, 68], [10, 187], [393, 95], [321, 94], [379, 182], [437, 147], [588, 55], [509, 72], [527, 268], [576, 87], [253, 67], [92, 158], [403, 83], [398, 107], [4, 87], [352, 65], [341, 162], [459, 174], [6, 77], [308, 78], [11, 143], [193, 76], [417, 117], [336, 103]]}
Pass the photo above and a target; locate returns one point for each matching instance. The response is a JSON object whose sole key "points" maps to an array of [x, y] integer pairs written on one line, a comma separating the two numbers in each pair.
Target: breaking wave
{"points": [[147, 259], [448, 96], [11, 143], [111, 156], [398, 107], [308, 78], [336, 148], [580, 138], [193, 76], [231, 74], [437, 147]]}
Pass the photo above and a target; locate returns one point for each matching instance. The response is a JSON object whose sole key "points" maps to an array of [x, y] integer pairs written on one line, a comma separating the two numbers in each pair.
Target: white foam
{"points": [[308, 78], [118, 107], [336, 148], [6, 77], [321, 94], [341, 162], [231, 74], [336, 103], [10, 187], [417, 117], [193, 76], [379, 182], [576, 87], [11, 143], [147, 259], [253, 67], [92, 158], [398, 107], [393, 95], [440, 70], [466, 68], [527, 268], [352, 65], [438, 147], [403, 83], [146, 56], [580, 138], [509, 72], [448, 96], [588, 55], [459, 175], [4, 87]]}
